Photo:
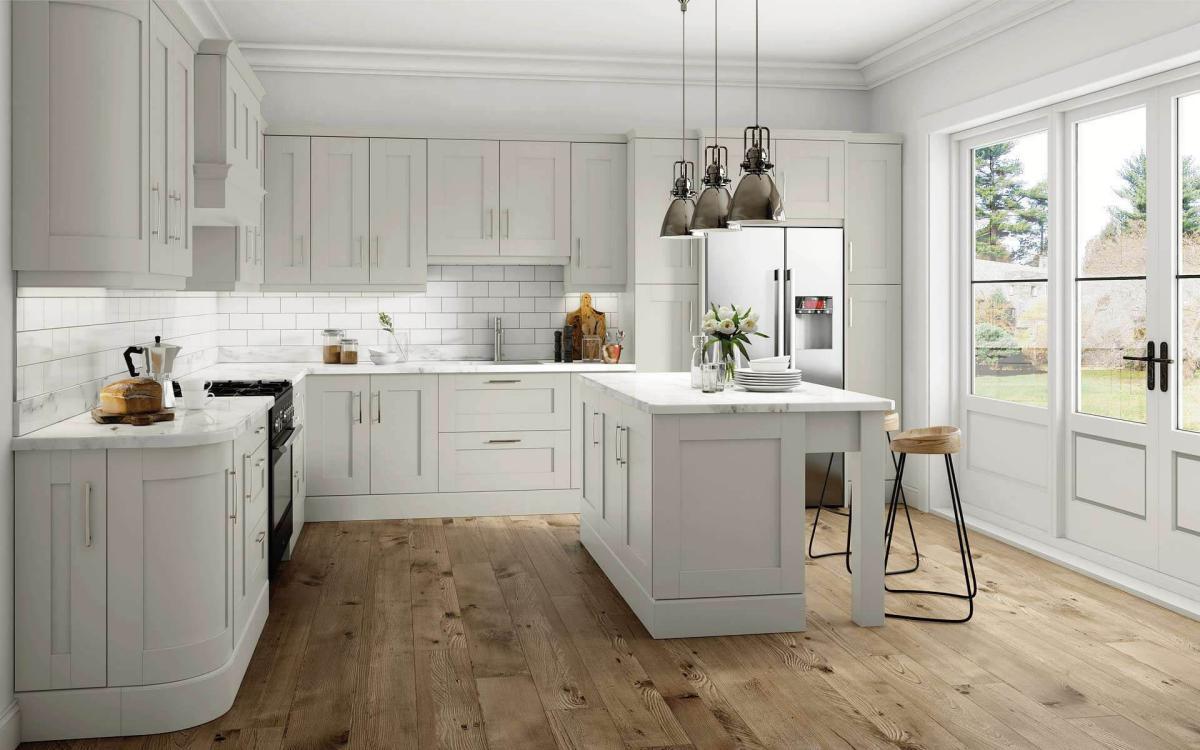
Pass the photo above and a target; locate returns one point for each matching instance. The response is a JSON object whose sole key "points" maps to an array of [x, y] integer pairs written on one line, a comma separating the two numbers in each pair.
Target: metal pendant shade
{"points": [[677, 223], [756, 198], [712, 208]]}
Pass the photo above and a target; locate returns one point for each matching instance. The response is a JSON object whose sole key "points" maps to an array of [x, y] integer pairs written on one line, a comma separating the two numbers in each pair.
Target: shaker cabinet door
{"points": [[667, 315], [288, 240], [404, 433], [398, 235], [535, 198], [600, 244], [464, 197], [340, 210], [873, 213], [658, 260], [811, 177], [338, 435], [61, 519]]}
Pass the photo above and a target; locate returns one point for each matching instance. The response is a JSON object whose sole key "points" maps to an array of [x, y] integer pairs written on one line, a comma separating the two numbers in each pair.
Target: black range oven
{"points": [[282, 432]]}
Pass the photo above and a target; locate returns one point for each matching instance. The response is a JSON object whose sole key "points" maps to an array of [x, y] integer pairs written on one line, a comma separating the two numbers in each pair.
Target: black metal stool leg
{"points": [[964, 550], [912, 534], [817, 517]]}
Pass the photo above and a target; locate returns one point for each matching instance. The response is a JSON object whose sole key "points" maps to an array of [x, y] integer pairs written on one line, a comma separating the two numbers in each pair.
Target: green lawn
{"points": [[1112, 393]]}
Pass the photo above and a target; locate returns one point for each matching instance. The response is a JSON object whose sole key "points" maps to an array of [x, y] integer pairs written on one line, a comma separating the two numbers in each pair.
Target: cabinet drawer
{"points": [[517, 401], [256, 559], [254, 436], [253, 469], [493, 461]]}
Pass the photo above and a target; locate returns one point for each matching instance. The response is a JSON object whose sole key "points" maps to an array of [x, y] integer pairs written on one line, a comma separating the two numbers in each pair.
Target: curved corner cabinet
{"points": [[107, 204], [141, 585]]}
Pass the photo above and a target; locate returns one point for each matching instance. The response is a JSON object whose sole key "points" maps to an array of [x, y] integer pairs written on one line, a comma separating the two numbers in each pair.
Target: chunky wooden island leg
{"points": [[866, 527]]}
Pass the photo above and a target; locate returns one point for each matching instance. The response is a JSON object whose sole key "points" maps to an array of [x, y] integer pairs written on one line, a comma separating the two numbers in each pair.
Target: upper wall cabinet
{"points": [[229, 127], [345, 212], [811, 177], [490, 199], [599, 255], [464, 198], [535, 198], [340, 209], [89, 105], [659, 261], [288, 237], [398, 234], [873, 213]]}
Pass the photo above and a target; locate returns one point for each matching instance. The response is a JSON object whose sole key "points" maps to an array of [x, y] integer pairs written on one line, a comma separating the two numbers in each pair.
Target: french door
{"points": [[1132, 453]]}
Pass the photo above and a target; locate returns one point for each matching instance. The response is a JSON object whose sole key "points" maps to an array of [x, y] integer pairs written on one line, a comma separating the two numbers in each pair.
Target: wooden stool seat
{"points": [[929, 441], [891, 421]]}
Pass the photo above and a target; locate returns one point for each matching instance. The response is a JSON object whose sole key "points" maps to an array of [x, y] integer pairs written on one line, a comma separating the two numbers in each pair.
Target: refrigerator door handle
{"points": [[778, 314], [787, 303]]}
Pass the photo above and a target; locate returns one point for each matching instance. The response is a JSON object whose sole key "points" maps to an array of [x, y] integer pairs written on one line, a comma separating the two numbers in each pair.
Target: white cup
{"points": [[196, 394]]}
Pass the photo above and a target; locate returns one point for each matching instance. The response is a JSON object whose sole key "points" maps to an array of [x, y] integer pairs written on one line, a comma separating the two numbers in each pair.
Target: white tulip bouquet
{"points": [[730, 327]]}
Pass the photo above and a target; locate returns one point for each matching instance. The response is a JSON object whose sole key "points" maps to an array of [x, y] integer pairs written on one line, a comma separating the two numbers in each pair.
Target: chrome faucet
{"points": [[498, 339]]}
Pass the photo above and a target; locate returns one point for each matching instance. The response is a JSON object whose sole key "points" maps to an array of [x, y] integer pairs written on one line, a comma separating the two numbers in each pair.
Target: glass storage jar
{"points": [[331, 345], [349, 351], [698, 357]]}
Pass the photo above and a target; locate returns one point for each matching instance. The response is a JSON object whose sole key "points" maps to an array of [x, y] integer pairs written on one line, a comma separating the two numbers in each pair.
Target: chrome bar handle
{"points": [[357, 398], [788, 306], [376, 261], [262, 547], [360, 250], [778, 315], [245, 476], [578, 252], [491, 223], [506, 224], [156, 194], [301, 249], [516, 380], [595, 440], [232, 474], [850, 256], [508, 440], [377, 400], [87, 514]]}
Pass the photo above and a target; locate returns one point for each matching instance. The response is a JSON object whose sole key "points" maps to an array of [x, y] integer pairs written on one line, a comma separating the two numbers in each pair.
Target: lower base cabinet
{"points": [[142, 581], [498, 461]]}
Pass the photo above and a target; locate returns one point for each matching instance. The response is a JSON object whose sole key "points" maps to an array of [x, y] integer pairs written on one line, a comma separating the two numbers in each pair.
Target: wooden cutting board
{"points": [[104, 417], [586, 320]]}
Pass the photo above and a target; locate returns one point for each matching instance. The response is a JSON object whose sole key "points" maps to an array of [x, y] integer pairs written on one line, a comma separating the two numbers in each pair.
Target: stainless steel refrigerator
{"points": [[794, 278]]}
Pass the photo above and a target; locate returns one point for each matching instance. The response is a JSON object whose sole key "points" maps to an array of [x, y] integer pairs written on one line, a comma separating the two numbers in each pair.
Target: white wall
{"points": [[430, 105], [9, 728], [1075, 48]]}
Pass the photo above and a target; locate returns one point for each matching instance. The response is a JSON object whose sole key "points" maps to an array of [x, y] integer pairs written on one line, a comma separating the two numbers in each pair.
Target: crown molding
{"points": [[576, 68], [971, 25], [979, 21]]}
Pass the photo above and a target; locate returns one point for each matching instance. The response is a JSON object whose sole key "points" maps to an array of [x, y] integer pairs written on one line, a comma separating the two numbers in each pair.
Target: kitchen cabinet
{"points": [[873, 240], [657, 260], [464, 198], [287, 210], [371, 434], [404, 433], [496, 461], [61, 577], [337, 454], [171, 530], [171, 143], [229, 127], [340, 184], [873, 345], [397, 211], [504, 401], [811, 178], [666, 318], [599, 194], [82, 139], [535, 198]]}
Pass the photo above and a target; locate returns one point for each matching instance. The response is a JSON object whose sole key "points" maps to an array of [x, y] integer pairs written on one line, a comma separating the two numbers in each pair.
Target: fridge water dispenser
{"points": [[814, 323]]}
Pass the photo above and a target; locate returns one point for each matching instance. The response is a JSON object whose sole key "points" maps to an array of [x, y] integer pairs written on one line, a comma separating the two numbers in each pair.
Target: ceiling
{"points": [[838, 38]]}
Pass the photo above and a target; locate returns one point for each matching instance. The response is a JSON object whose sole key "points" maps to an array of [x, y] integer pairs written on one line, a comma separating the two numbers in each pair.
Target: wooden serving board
{"points": [[104, 417]]}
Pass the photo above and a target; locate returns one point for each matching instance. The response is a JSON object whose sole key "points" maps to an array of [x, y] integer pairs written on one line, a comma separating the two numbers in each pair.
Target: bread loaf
{"points": [[131, 396]]}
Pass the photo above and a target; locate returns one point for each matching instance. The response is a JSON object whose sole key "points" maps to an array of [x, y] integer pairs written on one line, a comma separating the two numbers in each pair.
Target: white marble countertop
{"points": [[296, 371], [224, 420], [671, 393]]}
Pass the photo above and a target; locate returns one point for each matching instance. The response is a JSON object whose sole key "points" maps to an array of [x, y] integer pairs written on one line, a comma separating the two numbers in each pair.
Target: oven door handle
{"points": [[278, 450]]}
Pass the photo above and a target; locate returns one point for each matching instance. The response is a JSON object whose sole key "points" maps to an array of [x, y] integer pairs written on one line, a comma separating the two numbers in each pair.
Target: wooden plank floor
{"points": [[502, 633]]}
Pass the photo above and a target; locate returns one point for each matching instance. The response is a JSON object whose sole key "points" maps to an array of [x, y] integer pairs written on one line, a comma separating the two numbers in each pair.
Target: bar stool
{"points": [[891, 423], [934, 441]]}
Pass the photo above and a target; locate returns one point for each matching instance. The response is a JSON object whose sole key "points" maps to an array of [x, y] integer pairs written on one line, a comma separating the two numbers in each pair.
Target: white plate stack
{"points": [[767, 382]]}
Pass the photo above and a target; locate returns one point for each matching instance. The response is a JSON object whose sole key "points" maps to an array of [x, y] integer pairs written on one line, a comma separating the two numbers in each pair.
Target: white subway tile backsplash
{"points": [[69, 341]]}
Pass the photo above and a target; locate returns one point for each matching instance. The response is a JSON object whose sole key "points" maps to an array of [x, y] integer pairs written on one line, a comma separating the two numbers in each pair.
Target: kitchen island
{"points": [[693, 503]]}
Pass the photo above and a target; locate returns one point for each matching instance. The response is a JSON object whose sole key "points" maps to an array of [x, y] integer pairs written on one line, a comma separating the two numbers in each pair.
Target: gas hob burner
{"points": [[250, 387]]}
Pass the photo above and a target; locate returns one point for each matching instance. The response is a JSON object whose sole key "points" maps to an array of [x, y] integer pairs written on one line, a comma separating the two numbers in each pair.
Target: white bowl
{"points": [[383, 357]]}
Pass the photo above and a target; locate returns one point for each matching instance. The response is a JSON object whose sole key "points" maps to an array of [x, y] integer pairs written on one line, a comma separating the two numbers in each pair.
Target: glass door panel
{"points": [[1187, 239], [1110, 250]]}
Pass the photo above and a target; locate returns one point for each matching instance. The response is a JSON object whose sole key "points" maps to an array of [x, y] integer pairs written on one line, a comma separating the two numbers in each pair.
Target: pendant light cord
{"points": [[683, 68], [755, 63], [716, 127]]}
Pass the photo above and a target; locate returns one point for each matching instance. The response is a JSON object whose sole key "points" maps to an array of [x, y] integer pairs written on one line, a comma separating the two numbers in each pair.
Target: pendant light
{"points": [[756, 197], [712, 207], [677, 223]]}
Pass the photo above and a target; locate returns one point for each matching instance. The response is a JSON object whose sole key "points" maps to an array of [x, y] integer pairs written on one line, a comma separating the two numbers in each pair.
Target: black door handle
{"points": [[1149, 359], [1162, 360]]}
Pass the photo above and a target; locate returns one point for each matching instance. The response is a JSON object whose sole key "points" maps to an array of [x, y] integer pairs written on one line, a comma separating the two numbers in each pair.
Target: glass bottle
{"points": [[331, 345], [697, 358], [349, 352]]}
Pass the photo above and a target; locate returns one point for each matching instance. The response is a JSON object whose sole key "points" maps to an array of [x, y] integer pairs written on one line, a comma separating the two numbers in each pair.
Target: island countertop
{"points": [[671, 393]]}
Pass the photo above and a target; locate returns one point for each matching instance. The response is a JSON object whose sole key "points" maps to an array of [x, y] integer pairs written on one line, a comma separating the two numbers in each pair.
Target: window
{"points": [[1010, 212], [1110, 256]]}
